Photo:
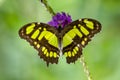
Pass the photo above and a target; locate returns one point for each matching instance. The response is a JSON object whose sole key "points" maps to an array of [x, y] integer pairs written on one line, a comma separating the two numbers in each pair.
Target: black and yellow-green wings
{"points": [[53, 42]]}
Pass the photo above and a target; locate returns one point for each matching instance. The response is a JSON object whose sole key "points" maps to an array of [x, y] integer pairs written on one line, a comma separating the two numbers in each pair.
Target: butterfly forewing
{"points": [[43, 37], [76, 35]]}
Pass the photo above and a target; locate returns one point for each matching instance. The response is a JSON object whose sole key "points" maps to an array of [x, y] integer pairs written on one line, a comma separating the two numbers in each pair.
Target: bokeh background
{"points": [[20, 61]]}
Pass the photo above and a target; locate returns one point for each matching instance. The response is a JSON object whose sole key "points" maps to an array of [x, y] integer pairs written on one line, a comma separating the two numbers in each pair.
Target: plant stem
{"points": [[85, 68], [49, 9]]}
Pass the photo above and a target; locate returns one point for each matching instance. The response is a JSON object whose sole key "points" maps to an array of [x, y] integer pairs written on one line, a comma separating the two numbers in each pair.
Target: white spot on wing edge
{"points": [[80, 19], [38, 23]]}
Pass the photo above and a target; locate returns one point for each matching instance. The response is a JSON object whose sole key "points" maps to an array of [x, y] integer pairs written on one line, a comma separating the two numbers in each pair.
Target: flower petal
{"points": [[60, 19]]}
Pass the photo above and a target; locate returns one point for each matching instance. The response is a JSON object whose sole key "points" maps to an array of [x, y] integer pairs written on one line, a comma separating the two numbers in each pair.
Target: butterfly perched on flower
{"points": [[61, 36]]}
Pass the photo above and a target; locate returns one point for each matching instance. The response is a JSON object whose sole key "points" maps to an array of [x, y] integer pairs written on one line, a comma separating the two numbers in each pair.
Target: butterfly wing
{"points": [[76, 35], [44, 39]]}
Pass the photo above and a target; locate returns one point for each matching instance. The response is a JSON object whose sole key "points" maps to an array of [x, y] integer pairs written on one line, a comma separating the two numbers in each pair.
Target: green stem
{"points": [[85, 68], [49, 9]]}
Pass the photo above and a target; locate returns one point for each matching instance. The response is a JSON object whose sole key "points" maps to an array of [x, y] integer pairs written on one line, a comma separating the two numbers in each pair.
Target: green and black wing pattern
{"points": [[76, 35], [44, 38], [50, 41]]}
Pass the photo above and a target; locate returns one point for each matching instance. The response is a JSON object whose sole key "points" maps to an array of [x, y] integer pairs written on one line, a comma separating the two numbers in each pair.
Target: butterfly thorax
{"points": [[59, 29], [60, 37]]}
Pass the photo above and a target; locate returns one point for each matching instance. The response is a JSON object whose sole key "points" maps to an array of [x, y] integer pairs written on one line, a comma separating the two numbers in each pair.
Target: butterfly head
{"points": [[60, 20]]}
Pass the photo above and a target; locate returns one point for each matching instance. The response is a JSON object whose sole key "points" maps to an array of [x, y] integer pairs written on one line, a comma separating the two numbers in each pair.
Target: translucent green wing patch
{"points": [[43, 38], [76, 35]]}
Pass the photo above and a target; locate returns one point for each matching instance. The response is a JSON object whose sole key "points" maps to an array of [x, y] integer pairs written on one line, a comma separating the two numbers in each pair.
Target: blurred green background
{"points": [[20, 61]]}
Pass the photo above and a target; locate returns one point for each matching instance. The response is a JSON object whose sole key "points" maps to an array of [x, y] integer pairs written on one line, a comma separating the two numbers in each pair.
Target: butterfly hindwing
{"points": [[76, 35], [43, 37]]}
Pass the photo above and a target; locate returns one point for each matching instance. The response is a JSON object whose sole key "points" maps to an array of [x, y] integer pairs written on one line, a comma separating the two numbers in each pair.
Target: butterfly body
{"points": [[53, 42]]}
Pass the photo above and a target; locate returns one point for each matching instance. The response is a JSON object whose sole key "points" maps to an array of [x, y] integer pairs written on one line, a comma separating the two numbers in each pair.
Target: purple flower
{"points": [[60, 19]]}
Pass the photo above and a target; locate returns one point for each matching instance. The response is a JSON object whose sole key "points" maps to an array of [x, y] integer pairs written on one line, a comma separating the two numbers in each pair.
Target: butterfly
{"points": [[51, 42]]}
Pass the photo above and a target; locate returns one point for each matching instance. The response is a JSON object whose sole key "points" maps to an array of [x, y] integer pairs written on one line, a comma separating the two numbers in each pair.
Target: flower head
{"points": [[60, 19]]}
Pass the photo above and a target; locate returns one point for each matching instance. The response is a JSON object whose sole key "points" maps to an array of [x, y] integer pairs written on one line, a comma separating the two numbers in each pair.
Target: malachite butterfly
{"points": [[53, 42]]}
